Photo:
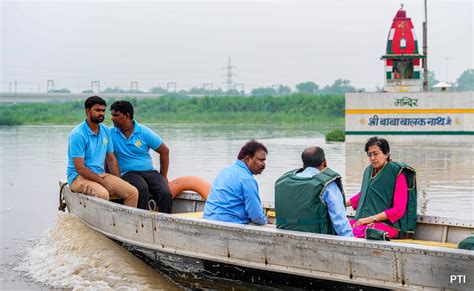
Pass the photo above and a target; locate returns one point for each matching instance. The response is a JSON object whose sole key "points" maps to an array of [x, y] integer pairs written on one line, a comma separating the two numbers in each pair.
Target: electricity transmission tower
{"points": [[229, 75]]}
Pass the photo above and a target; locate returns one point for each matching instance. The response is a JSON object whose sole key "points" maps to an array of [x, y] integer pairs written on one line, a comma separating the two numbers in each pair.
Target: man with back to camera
{"points": [[311, 199], [89, 145], [234, 193], [132, 142]]}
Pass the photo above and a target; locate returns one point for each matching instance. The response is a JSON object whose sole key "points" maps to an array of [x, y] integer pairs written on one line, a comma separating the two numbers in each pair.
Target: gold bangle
{"points": [[374, 219]]}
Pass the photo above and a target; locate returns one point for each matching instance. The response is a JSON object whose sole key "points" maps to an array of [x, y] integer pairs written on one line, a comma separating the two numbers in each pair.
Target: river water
{"points": [[44, 249]]}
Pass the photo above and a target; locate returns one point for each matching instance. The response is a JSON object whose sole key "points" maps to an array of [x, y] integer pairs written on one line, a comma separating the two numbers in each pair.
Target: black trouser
{"points": [[151, 185]]}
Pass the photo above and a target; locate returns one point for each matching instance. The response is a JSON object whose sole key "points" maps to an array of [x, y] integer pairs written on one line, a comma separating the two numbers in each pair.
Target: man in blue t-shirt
{"points": [[89, 146], [132, 142], [234, 192]]}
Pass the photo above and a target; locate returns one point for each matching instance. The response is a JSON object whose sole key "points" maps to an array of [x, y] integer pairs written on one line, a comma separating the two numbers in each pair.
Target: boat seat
{"points": [[427, 243], [190, 214]]}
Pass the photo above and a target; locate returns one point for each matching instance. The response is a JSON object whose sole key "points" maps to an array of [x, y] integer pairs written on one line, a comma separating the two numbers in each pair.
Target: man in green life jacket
{"points": [[311, 199]]}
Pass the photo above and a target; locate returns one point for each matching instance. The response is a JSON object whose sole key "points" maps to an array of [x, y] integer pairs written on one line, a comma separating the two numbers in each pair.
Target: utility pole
{"points": [[136, 86], [170, 85], [15, 83], [95, 83], [49, 86], [425, 51]]}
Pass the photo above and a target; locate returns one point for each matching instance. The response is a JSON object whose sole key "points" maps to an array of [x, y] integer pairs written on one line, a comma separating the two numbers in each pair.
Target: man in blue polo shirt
{"points": [[132, 142], [89, 146], [234, 192]]}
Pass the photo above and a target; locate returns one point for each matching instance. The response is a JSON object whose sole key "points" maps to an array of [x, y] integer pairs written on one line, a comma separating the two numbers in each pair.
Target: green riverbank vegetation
{"points": [[307, 109], [336, 135]]}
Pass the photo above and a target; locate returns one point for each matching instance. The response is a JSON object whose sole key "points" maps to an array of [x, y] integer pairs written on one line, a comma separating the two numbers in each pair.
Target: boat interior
{"points": [[430, 231]]}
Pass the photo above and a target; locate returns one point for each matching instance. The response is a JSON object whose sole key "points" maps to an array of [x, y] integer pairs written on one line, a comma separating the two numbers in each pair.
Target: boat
{"points": [[428, 261]]}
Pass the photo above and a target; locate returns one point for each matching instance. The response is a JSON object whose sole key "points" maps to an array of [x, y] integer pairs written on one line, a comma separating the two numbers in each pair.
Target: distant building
{"points": [[402, 60]]}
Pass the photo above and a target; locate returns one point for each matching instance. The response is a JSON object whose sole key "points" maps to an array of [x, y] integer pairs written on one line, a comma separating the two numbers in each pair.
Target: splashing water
{"points": [[70, 255]]}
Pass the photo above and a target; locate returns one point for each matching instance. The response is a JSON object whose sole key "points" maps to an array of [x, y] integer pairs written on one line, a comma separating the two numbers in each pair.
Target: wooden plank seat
{"points": [[427, 243]]}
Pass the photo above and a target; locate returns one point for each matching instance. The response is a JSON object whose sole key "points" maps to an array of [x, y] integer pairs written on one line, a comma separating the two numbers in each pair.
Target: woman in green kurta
{"points": [[387, 200]]}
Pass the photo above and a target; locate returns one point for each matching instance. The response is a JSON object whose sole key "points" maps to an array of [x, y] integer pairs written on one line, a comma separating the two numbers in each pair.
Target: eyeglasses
{"points": [[373, 154]]}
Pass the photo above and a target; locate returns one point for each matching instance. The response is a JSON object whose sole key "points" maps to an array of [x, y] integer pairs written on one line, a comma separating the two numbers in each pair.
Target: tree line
{"points": [[465, 82]]}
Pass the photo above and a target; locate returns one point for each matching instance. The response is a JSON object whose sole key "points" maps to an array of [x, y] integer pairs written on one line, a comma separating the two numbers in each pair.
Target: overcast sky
{"points": [[188, 42]]}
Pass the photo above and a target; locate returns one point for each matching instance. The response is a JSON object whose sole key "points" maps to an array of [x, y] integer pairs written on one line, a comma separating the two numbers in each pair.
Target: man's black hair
{"points": [[123, 107], [93, 100], [250, 148], [313, 157]]}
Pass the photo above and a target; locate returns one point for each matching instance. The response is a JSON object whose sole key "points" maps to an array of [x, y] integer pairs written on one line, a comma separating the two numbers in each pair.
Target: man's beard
{"points": [[97, 120]]}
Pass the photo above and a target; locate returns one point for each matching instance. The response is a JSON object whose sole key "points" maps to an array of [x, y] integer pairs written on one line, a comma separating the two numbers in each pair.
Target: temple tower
{"points": [[402, 60]]}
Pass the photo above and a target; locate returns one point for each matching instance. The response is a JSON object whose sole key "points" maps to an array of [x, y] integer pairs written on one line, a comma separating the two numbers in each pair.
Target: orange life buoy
{"points": [[190, 183]]}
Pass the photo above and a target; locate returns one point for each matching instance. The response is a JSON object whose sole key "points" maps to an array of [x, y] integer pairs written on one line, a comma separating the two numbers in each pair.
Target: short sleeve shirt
{"points": [[93, 148], [234, 197], [133, 154]]}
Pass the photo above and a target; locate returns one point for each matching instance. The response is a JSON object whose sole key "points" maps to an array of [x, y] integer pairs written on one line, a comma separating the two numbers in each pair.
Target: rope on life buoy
{"points": [[190, 183]]}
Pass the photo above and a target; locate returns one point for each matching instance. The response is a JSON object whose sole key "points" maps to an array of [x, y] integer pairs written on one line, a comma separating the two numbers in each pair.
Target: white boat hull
{"points": [[356, 261]]}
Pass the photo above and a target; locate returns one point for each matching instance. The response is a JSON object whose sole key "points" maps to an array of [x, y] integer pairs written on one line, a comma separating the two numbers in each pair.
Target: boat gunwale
{"points": [[405, 247], [421, 218]]}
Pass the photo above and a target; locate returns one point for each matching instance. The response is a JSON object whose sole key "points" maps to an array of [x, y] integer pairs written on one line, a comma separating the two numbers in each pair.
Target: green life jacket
{"points": [[298, 202], [467, 243], [377, 195]]}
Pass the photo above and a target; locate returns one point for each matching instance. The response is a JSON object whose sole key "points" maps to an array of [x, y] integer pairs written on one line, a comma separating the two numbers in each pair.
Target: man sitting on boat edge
{"points": [[234, 195], [311, 199], [132, 142], [89, 145]]}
